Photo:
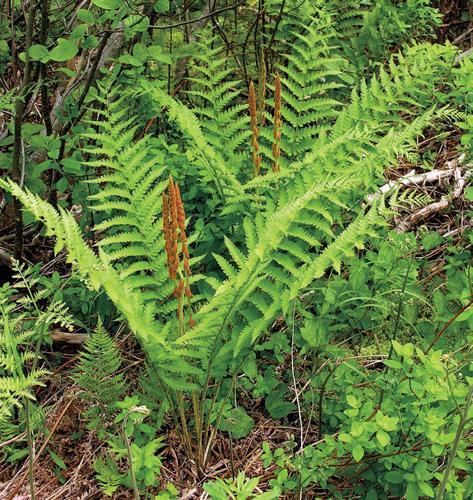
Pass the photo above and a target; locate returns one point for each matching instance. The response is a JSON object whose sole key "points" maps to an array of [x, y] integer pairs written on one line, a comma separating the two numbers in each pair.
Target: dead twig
{"points": [[460, 179]]}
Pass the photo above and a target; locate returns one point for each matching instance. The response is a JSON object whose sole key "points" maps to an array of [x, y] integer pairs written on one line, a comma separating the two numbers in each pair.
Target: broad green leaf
{"points": [[431, 240], [469, 193], [358, 452], [86, 16], [353, 401], [38, 52], [393, 363], [90, 42], [426, 489], [383, 438], [277, 406], [68, 72], [65, 50], [394, 477], [315, 332], [397, 347], [344, 437], [161, 6], [107, 4], [61, 185], [79, 31], [465, 315], [237, 422], [128, 59], [136, 24], [437, 449], [71, 166]]}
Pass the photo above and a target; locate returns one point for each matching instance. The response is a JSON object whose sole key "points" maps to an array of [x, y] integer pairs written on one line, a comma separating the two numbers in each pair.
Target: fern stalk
{"points": [[142, 410], [30, 440], [277, 124], [254, 129]]}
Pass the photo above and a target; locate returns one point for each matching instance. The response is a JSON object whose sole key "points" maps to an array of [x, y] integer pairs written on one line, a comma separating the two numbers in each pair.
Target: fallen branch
{"points": [[69, 338], [422, 214], [5, 257], [438, 206], [412, 179], [456, 231]]}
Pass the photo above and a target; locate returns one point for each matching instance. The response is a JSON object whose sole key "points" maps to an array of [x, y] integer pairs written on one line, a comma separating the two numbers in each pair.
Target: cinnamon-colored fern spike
{"points": [[181, 222], [277, 124], [254, 129], [174, 228]]}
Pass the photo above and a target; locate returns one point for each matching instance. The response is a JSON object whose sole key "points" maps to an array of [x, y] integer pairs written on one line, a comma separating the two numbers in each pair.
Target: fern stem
{"points": [[220, 411], [185, 429], [230, 311], [29, 430], [136, 491], [198, 416], [29, 438], [254, 129], [215, 176]]}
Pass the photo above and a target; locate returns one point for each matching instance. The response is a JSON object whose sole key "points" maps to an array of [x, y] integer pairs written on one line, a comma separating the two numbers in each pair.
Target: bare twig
{"points": [[206, 14], [445, 327], [422, 214]]}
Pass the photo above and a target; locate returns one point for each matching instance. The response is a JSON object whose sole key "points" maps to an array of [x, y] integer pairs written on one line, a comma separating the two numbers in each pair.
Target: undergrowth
{"points": [[230, 251]]}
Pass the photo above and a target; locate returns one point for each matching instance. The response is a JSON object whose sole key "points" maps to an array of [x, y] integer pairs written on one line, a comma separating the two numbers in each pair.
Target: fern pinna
{"points": [[215, 94], [131, 184]]}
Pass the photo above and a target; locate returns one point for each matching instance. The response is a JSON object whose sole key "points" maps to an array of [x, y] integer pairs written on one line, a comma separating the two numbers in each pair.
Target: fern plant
{"points": [[97, 374], [16, 384], [19, 370], [108, 476], [298, 225], [24, 323]]}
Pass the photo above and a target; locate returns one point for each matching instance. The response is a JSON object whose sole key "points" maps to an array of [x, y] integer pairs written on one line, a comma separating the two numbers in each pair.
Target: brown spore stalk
{"points": [[174, 220]]}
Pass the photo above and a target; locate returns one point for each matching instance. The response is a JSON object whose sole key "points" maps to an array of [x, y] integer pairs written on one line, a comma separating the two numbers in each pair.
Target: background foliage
{"points": [[230, 284]]}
